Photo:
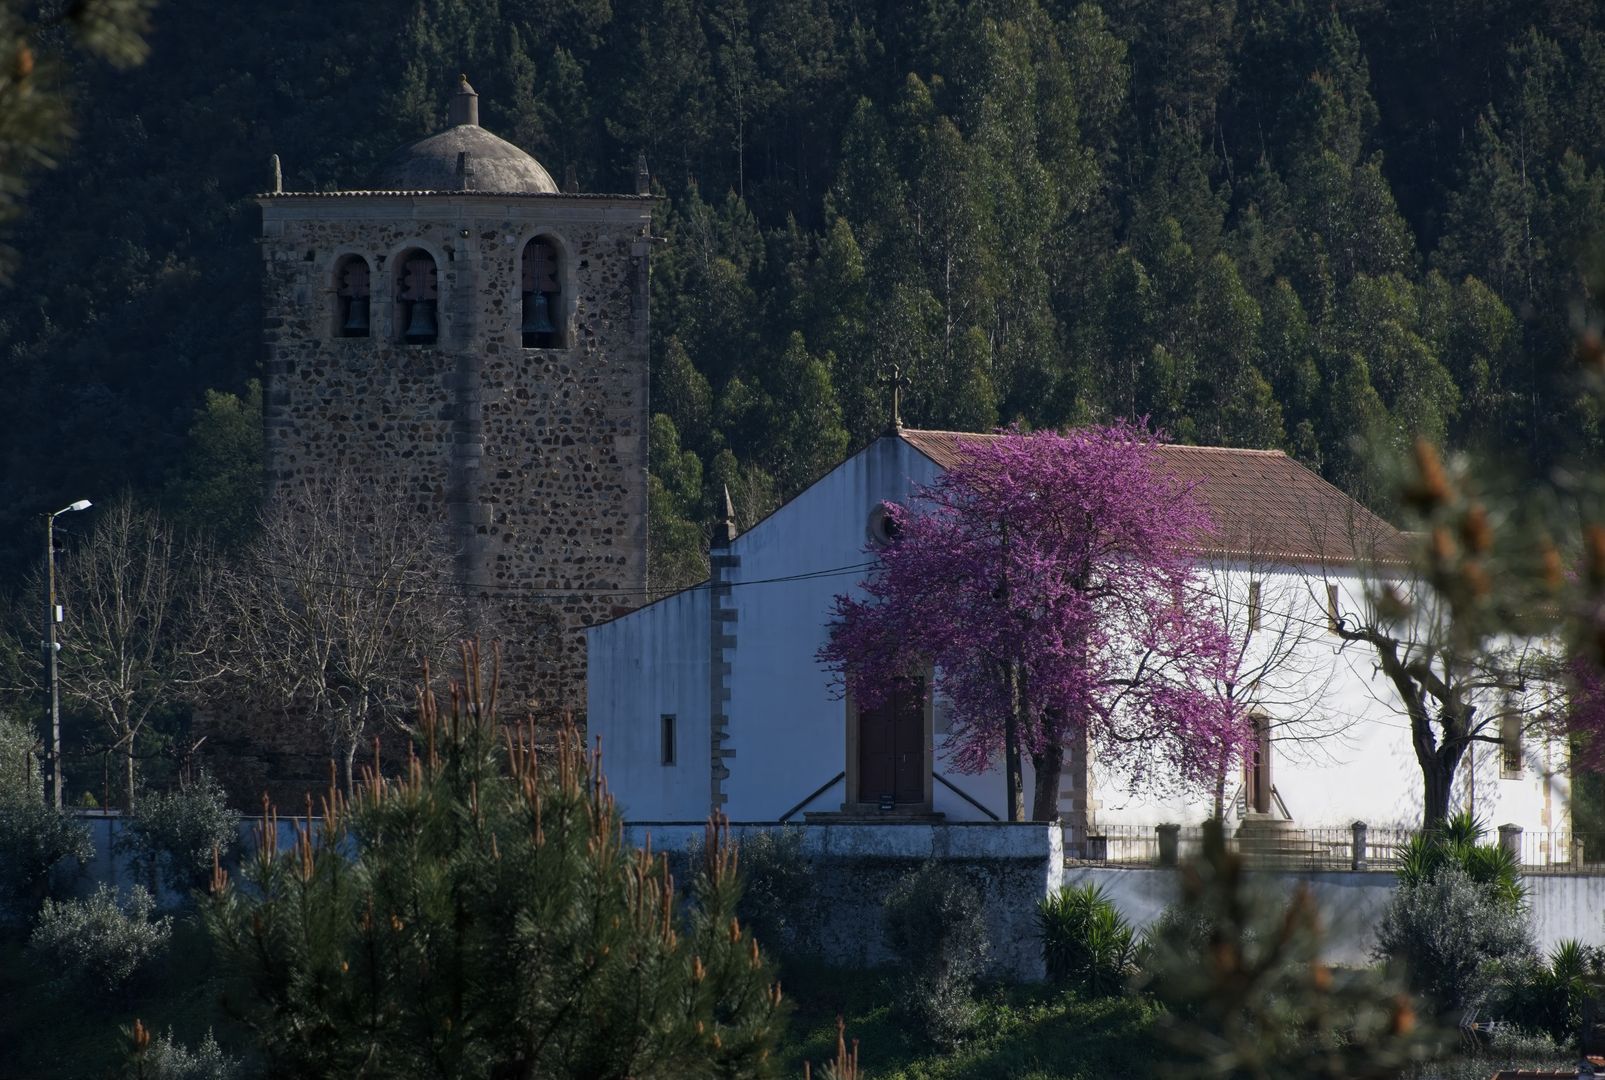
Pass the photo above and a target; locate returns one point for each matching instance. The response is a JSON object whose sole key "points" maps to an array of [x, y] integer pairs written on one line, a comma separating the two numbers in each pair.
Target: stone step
{"points": [[1268, 839], [872, 813]]}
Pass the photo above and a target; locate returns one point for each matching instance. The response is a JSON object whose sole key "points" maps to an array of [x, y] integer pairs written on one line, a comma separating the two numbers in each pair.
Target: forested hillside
{"points": [[1263, 223]]}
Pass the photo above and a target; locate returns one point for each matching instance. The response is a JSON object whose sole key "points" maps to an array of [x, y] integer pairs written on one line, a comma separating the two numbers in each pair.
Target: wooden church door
{"points": [[1257, 768], [891, 746]]}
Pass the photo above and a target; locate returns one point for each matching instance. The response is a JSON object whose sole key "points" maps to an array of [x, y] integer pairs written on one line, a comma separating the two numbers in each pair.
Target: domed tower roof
{"points": [[464, 157]]}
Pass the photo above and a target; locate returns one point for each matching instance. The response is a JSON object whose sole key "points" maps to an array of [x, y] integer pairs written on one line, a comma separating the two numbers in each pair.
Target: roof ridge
{"points": [[1224, 449], [905, 432]]}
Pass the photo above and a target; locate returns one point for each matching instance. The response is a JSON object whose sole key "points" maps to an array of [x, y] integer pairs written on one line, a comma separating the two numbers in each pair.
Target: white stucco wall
{"points": [[1341, 747], [787, 723], [1340, 742], [647, 664]]}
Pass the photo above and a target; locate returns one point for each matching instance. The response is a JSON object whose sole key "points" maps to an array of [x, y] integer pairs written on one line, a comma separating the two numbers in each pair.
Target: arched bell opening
{"points": [[543, 294], [353, 307], [417, 298]]}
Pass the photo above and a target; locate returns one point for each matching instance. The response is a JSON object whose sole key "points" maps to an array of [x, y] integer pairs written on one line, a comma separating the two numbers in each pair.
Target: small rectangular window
{"points": [[668, 739], [1253, 606], [1510, 756], [1332, 614]]}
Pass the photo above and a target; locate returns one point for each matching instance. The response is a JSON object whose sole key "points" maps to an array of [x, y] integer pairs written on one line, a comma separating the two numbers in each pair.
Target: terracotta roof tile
{"points": [[1266, 506]]}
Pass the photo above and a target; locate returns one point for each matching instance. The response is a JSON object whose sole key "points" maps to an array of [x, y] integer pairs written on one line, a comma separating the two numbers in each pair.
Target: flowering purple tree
{"points": [[1047, 579]]}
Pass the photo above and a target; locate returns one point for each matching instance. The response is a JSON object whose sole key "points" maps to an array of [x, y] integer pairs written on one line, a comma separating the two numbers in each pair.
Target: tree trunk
{"points": [[1439, 757], [1014, 779], [1437, 772], [128, 774], [348, 765], [1437, 776], [1048, 765]]}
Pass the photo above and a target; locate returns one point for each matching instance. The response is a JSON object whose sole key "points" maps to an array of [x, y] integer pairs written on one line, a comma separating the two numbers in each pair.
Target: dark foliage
{"points": [[934, 925], [1269, 224]]}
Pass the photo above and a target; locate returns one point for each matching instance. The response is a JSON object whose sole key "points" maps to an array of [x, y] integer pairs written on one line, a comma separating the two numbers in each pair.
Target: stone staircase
{"points": [[1266, 840]]}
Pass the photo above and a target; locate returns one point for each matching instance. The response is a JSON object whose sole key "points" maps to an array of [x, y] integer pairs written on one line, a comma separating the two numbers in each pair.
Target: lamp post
{"points": [[52, 615]]}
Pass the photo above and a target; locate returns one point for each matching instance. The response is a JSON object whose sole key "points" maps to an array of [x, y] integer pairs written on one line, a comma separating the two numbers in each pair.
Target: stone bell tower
{"points": [[468, 335]]}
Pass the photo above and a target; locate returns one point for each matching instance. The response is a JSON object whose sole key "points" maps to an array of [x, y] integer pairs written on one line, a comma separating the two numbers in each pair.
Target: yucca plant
{"points": [[1458, 841], [1086, 942], [480, 916], [1548, 996]]}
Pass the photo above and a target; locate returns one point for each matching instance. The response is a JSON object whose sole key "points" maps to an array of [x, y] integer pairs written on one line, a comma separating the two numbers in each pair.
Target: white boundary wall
{"points": [[855, 866], [1351, 902]]}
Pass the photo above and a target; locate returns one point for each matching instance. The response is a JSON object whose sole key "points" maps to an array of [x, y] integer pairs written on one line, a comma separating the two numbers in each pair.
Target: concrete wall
{"points": [[1562, 905], [110, 867]]}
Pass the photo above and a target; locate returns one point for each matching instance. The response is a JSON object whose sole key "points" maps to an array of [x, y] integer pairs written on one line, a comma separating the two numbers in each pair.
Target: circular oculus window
{"points": [[883, 528]]}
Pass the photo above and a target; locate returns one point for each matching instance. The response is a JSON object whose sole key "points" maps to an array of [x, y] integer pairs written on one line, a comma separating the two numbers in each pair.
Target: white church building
{"points": [[712, 698]]}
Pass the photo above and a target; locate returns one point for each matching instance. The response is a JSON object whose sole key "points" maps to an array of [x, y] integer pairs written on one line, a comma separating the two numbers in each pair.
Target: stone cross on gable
{"points": [[897, 382]]}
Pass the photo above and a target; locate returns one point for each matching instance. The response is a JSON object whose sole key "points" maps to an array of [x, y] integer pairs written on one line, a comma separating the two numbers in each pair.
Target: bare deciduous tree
{"points": [[1279, 675], [1455, 692], [132, 634], [333, 608], [1457, 678]]}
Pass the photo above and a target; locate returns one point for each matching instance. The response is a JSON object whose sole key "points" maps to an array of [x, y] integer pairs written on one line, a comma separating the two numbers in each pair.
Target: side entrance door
{"points": [[891, 746], [1257, 768]]}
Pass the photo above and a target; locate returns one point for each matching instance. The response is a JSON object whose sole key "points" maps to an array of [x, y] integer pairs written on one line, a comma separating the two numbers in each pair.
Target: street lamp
{"points": [[52, 617]]}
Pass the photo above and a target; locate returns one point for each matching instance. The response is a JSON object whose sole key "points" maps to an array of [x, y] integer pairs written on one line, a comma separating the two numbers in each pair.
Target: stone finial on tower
{"points": [[464, 104], [278, 176], [724, 533], [643, 178], [465, 171], [571, 179]]}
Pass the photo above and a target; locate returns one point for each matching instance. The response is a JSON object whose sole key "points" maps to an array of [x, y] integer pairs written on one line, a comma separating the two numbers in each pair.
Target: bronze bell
{"points": [[356, 324], [537, 320], [421, 329]]}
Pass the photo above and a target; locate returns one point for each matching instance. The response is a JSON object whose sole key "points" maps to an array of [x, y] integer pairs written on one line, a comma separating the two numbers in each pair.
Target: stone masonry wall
{"points": [[853, 867], [535, 458]]}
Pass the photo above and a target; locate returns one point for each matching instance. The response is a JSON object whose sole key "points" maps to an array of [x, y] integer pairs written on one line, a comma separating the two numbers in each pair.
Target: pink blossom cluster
{"points": [[1070, 556]]}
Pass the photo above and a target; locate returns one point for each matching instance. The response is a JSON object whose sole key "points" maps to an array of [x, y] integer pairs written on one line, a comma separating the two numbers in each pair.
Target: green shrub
{"points": [[169, 1059], [41, 852], [21, 778], [1447, 930], [178, 831], [480, 917], [1086, 942], [1545, 996], [776, 888], [933, 923], [1180, 926], [1238, 967], [101, 942]]}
